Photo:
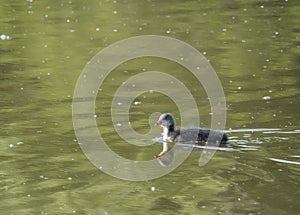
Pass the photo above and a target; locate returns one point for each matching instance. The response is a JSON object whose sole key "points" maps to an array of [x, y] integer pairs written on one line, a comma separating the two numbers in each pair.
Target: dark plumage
{"points": [[197, 135], [187, 135]]}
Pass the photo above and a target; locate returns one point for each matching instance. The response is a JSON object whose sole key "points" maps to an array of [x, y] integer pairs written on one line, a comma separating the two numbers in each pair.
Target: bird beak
{"points": [[158, 122]]}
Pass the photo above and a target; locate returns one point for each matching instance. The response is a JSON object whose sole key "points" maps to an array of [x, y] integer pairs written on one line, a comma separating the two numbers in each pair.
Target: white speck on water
{"points": [[137, 103], [67, 20], [95, 116], [97, 29], [266, 97], [181, 58], [133, 85], [152, 189], [224, 29], [169, 31], [204, 53], [28, 195], [11, 145], [115, 30], [115, 12], [69, 178], [118, 124], [43, 177], [72, 30], [20, 143], [5, 37], [262, 6], [239, 88], [119, 103], [276, 33]]}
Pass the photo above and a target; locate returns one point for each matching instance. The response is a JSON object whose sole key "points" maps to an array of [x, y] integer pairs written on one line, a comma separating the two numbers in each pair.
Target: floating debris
{"points": [[4, 37], [266, 97]]}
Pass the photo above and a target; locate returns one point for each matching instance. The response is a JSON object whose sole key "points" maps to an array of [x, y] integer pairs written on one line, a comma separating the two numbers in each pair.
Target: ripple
{"points": [[284, 161]]}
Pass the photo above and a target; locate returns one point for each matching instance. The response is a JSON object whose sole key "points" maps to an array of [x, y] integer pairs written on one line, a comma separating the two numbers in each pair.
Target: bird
{"points": [[199, 136]]}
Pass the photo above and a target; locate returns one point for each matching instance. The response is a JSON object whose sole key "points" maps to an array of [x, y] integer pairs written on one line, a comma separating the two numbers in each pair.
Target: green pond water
{"points": [[253, 47]]}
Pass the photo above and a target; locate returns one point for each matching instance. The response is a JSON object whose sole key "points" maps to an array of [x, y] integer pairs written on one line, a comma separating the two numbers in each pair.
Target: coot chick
{"points": [[197, 136]]}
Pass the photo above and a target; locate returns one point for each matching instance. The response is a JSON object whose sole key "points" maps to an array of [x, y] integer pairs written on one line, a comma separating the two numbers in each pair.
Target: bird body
{"points": [[198, 136]]}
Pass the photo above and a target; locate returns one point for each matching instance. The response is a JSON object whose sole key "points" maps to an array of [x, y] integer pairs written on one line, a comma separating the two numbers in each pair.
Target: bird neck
{"points": [[171, 128], [167, 131]]}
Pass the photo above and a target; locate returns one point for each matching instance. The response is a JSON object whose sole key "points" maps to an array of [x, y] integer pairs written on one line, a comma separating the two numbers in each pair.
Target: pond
{"points": [[253, 47]]}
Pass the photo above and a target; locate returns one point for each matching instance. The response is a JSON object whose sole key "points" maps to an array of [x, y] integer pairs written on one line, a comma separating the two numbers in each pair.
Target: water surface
{"points": [[253, 47]]}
